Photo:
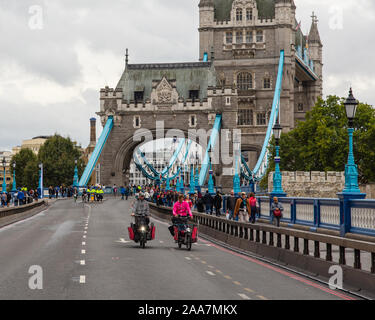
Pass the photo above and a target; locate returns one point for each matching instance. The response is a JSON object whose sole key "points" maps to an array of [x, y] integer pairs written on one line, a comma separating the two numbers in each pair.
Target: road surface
{"points": [[85, 253]]}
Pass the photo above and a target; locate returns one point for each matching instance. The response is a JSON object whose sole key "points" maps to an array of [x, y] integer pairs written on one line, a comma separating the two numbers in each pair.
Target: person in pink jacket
{"points": [[181, 207]]}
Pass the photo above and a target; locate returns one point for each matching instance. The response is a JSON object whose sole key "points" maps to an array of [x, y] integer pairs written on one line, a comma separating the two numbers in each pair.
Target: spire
{"points": [[206, 3], [126, 58], [314, 36]]}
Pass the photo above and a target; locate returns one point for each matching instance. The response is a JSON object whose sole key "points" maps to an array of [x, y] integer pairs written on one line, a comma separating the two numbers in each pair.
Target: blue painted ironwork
{"points": [[14, 187], [182, 187], [211, 182], [41, 190], [168, 185], [211, 144], [75, 179], [192, 182], [277, 177], [197, 186], [262, 164], [4, 186], [351, 172], [97, 152], [205, 57]]}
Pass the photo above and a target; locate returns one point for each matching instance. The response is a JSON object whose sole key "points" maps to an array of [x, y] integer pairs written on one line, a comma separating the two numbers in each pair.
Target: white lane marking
{"points": [[85, 232], [210, 273], [82, 262], [187, 258], [161, 241], [83, 243], [122, 240], [84, 237], [82, 279], [244, 296], [85, 228], [83, 251]]}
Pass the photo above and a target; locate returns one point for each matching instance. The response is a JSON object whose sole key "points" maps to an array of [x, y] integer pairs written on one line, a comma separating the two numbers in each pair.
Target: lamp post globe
{"points": [[351, 105], [277, 177]]}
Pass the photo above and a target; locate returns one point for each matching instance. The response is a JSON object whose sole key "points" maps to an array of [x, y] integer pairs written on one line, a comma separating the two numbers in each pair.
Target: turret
{"points": [[316, 48], [285, 12], [206, 22]]}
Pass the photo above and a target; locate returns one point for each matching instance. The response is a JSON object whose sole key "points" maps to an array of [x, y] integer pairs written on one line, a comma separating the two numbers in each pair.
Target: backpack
{"points": [[253, 202]]}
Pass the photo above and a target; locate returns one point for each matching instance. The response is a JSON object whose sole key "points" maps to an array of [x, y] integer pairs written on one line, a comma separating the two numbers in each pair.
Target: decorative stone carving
{"points": [[164, 93]]}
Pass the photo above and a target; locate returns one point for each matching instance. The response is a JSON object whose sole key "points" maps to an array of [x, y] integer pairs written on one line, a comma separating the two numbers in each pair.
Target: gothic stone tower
{"points": [[246, 37]]}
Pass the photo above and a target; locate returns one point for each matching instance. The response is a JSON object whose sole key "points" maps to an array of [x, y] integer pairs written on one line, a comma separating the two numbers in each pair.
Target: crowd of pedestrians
{"points": [[19, 197], [240, 207]]}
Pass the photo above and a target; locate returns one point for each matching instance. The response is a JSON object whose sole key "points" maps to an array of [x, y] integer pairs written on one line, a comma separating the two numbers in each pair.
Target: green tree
{"points": [[26, 168], [58, 155], [321, 142]]}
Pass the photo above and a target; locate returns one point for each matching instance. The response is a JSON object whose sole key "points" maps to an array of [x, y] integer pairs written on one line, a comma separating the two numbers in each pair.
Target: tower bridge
{"points": [[236, 77]]}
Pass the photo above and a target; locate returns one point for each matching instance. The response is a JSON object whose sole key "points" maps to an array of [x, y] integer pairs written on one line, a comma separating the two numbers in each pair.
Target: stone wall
{"points": [[311, 184]]}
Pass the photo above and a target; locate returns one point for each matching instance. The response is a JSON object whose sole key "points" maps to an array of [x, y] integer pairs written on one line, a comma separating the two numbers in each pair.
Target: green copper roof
{"points": [[188, 76], [266, 9]]}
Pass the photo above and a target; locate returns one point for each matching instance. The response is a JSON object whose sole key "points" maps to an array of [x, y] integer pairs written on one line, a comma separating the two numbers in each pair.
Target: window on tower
{"points": [[267, 83], [249, 37], [245, 117], [244, 81], [249, 14], [138, 96], [229, 37], [260, 36], [261, 119], [194, 95], [239, 14], [239, 37]]}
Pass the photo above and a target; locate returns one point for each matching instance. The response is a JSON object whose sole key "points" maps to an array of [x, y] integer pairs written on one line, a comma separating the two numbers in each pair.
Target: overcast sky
{"points": [[51, 70]]}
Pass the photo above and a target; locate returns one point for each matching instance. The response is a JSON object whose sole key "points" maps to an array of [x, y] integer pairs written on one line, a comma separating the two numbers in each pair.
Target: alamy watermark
{"points": [[36, 280], [336, 281], [36, 19]]}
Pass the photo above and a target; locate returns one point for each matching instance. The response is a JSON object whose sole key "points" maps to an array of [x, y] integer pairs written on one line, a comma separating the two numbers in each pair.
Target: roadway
{"points": [[85, 253]]}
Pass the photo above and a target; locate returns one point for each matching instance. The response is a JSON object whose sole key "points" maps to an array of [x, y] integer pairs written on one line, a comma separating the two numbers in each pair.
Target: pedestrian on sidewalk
{"points": [[208, 202], [218, 200], [242, 209], [253, 207], [231, 204], [277, 210]]}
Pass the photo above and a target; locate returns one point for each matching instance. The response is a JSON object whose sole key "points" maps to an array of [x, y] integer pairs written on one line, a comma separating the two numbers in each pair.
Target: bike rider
{"points": [[84, 195], [141, 208], [181, 209]]}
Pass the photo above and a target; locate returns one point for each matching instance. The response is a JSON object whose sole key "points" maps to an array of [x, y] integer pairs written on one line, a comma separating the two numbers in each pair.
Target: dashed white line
{"points": [[210, 273], [83, 251], [84, 237], [244, 296], [83, 243], [187, 258], [82, 262], [82, 279]]}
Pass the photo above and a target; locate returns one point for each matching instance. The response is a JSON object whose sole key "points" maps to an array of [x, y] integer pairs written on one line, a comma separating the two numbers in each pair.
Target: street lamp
{"points": [[4, 179], [351, 171], [14, 188], [277, 177], [351, 190], [236, 178], [41, 181], [75, 178]]}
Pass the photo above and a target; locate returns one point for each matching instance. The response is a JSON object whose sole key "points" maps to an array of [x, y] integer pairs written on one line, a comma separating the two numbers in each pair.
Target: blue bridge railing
{"points": [[324, 213]]}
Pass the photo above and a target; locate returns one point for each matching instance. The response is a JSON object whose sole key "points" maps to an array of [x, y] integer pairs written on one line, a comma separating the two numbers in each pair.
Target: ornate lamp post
{"points": [[4, 179], [277, 177], [211, 181], [192, 182], [41, 181], [14, 188], [351, 190], [236, 178], [75, 179]]}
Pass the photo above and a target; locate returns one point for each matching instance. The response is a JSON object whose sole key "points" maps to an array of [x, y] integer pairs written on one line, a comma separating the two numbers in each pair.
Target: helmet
{"points": [[141, 194]]}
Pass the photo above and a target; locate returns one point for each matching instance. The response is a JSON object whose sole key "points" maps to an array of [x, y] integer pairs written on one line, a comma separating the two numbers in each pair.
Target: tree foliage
{"points": [[321, 142], [26, 168], [58, 155]]}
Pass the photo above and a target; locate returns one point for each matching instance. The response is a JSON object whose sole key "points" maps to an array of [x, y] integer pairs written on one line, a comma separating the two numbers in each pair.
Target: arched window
{"points": [[267, 83], [239, 14], [249, 14], [244, 81]]}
